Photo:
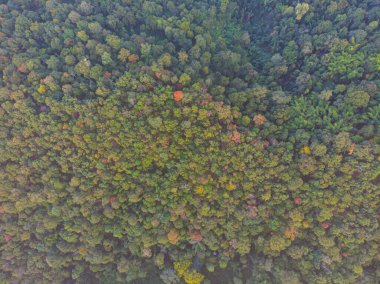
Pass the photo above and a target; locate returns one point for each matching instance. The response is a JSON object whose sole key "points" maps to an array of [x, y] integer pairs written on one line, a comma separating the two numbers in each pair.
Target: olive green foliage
{"points": [[346, 64], [184, 140], [313, 114]]}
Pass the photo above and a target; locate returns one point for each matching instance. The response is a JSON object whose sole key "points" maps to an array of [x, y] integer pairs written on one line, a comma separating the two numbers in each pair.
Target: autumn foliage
{"points": [[178, 96], [189, 141]]}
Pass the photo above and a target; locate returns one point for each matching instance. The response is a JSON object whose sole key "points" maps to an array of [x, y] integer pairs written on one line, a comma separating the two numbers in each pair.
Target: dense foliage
{"points": [[182, 141]]}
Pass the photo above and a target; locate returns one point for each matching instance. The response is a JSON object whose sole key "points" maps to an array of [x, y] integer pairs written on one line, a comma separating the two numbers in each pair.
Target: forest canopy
{"points": [[189, 141]]}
